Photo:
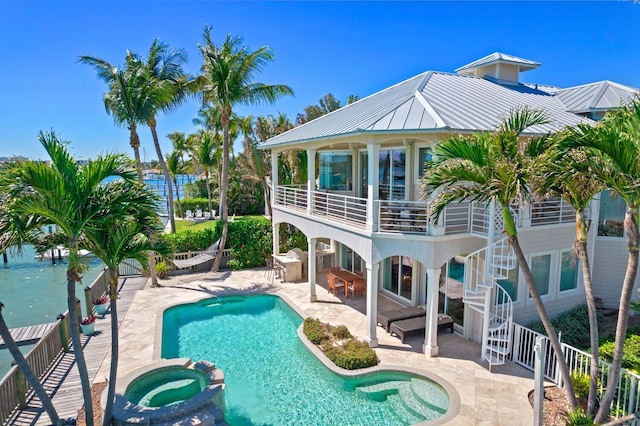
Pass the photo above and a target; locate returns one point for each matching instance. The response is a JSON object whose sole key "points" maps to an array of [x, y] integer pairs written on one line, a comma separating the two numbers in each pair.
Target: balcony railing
{"points": [[415, 217]]}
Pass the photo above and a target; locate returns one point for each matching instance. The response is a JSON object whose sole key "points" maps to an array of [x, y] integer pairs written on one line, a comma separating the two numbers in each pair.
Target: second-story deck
{"points": [[412, 217]]}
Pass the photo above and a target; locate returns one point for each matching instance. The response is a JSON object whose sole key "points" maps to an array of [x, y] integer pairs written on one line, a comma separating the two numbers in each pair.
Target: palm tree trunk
{"points": [[167, 177], [208, 181], [113, 368], [72, 277], [27, 372], [224, 212], [633, 240], [267, 197], [134, 141], [593, 327], [546, 321], [175, 181]]}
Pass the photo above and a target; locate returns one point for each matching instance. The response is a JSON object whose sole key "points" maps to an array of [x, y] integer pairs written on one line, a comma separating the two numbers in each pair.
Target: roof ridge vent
{"points": [[502, 67]]}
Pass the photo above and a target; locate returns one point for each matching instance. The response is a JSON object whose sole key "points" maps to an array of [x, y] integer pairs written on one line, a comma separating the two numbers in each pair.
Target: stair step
{"points": [[400, 409], [430, 394], [380, 391], [498, 349], [414, 405], [497, 327], [494, 360]]}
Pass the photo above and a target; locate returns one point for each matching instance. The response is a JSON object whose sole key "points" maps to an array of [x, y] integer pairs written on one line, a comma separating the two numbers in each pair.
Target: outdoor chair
{"points": [[334, 284], [356, 286], [188, 214]]}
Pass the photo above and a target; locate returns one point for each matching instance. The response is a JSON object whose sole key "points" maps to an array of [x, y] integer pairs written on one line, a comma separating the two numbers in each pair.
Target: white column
{"points": [[372, 304], [373, 151], [274, 177], [311, 269], [311, 178], [430, 347], [275, 230]]}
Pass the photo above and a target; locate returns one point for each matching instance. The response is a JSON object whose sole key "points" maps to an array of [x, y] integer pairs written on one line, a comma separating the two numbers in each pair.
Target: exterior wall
{"points": [[609, 267], [551, 240]]}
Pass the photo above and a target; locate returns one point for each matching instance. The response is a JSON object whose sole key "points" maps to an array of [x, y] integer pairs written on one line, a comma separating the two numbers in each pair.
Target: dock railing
{"points": [[14, 388]]}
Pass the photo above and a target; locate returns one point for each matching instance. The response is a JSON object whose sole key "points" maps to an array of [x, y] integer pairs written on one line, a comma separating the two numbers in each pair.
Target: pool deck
{"points": [[487, 398]]}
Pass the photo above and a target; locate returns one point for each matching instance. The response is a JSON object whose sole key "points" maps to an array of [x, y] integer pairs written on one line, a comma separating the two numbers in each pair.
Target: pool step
{"points": [[380, 391], [416, 406], [430, 395], [401, 411]]}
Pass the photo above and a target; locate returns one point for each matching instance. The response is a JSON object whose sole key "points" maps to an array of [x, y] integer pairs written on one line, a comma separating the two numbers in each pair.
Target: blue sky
{"points": [[320, 47]]}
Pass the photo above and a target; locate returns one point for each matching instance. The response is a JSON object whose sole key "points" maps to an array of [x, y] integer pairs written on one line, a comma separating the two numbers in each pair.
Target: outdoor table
{"points": [[346, 276]]}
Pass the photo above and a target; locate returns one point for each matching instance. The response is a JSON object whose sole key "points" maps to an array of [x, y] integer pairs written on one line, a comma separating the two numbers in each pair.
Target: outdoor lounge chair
{"points": [[387, 317], [408, 327]]}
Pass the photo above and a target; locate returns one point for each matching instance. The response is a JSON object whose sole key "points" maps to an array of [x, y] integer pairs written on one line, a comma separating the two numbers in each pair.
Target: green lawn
{"points": [[185, 225]]}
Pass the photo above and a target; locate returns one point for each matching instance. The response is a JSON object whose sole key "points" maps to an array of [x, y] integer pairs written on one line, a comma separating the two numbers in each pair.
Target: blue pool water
{"points": [[271, 377]]}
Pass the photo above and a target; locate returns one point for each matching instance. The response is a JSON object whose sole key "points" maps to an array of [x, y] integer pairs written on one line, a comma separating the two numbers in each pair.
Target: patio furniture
{"points": [[387, 317], [356, 286], [334, 284], [445, 321], [343, 275], [408, 327]]}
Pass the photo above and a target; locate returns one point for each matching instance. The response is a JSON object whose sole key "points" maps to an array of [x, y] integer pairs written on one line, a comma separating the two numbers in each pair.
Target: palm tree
{"points": [[228, 73], [129, 238], [175, 168], [180, 145], [568, 175], [207, 155], [617, 144], [121, 100], [497, 167], [75, 199], [254, 162]]}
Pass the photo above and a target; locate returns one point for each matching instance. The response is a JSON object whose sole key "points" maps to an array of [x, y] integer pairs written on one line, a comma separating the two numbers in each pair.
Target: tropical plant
{"points": [[616, 144], [131, 236], [175, 168], [88, 320], [568, 175], [228, 72], [181, 146], [75, 199], [207, 155], [497, 167]]}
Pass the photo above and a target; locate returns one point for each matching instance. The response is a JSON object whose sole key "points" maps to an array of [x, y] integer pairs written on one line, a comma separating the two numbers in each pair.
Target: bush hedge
{"points": [[631, 351], [196, 203], [573, 324], [339, 345]]}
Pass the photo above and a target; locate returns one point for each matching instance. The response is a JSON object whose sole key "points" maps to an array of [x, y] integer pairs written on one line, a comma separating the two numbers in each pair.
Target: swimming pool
{"points": [[272, 378]]}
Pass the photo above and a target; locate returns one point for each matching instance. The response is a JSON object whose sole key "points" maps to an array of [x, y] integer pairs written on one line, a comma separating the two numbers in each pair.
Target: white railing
{"points": [[480, 218], [406, 217], [340, 208], [551, 211], [627, 398], [456, 218], [502, 261], [292, 197]]}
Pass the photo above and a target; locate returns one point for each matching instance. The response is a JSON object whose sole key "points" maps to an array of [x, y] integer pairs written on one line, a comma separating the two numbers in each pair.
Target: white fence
{"points": [[627, 399]]}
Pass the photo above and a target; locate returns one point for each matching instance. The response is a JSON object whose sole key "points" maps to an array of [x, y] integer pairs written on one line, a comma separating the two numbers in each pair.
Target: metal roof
{"points": [[498, 57], [433, 101], [598, 96]]}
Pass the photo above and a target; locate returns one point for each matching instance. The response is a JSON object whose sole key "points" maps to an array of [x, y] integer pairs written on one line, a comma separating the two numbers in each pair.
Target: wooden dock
{"points": [[62, 381], [28, 335]]}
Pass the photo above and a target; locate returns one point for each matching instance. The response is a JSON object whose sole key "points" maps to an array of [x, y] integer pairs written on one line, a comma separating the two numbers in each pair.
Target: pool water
{"points": [[273, 379], [166, 386]]}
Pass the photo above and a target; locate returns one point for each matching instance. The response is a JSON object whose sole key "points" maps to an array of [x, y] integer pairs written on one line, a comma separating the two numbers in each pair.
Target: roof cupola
{"points": [[499, 67]]}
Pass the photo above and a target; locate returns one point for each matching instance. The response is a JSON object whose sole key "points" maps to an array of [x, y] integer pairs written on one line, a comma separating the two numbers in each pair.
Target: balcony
{"points": [[414, 217]]}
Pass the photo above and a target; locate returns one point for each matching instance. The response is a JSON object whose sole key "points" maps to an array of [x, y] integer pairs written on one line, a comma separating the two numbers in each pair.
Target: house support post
{"points": [[275, 230], [274, 178], [311, 180], [373, 151], [372, 304], [430, 347], [311, 269]]}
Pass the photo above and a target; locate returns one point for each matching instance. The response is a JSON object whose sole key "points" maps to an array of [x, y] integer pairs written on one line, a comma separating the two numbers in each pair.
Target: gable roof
{"points": [[433, 101], [595, 97]]}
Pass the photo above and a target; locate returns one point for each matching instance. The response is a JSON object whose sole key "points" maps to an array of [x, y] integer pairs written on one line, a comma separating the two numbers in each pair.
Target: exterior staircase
{"points": [[483, 294]]}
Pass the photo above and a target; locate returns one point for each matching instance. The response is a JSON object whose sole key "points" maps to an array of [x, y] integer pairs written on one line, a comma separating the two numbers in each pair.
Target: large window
{"points": [[391, 164], [510, 284], [569, 271], [541, 269], [335, 171], [611, 219], [351, 260], [424, 157], [397, 275]]}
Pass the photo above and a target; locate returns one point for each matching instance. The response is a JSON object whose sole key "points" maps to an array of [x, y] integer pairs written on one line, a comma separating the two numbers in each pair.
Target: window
{"points": [[611, 219], [335, 171], [397, 275], [569, 271], [540, 269], [351, 260], [510, 284], [424, 156], [391, 180]]}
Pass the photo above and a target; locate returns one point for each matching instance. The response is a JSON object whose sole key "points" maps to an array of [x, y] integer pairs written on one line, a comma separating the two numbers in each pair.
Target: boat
{"points": [[60, 252]]}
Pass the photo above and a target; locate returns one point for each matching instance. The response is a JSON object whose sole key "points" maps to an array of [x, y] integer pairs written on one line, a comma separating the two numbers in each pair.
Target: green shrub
{"points": [[355, 354], [579, 417], [291, 237], [315, 331], [573, 324], [196, 203], [580, 384], [192, 240], [342, 332], [631, 352]]}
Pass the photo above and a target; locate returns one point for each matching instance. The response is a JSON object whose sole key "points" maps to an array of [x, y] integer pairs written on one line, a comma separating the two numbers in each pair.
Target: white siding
{"points": [[609, 267]]}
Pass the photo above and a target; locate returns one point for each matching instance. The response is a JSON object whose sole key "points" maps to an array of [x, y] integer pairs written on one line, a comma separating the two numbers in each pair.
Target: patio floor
{"points": [[487, 398]]}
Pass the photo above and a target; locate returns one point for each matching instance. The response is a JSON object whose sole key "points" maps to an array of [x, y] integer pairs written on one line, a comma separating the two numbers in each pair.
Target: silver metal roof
{"points": [[525, 64], [593, 97], [433, 101]]}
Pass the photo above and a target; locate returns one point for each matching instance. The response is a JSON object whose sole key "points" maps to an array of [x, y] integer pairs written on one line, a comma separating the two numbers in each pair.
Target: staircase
{"points": [[483, 294]]}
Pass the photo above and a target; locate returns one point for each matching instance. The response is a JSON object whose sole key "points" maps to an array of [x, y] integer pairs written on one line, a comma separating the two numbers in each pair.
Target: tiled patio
{"points": [[487, 398]]}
